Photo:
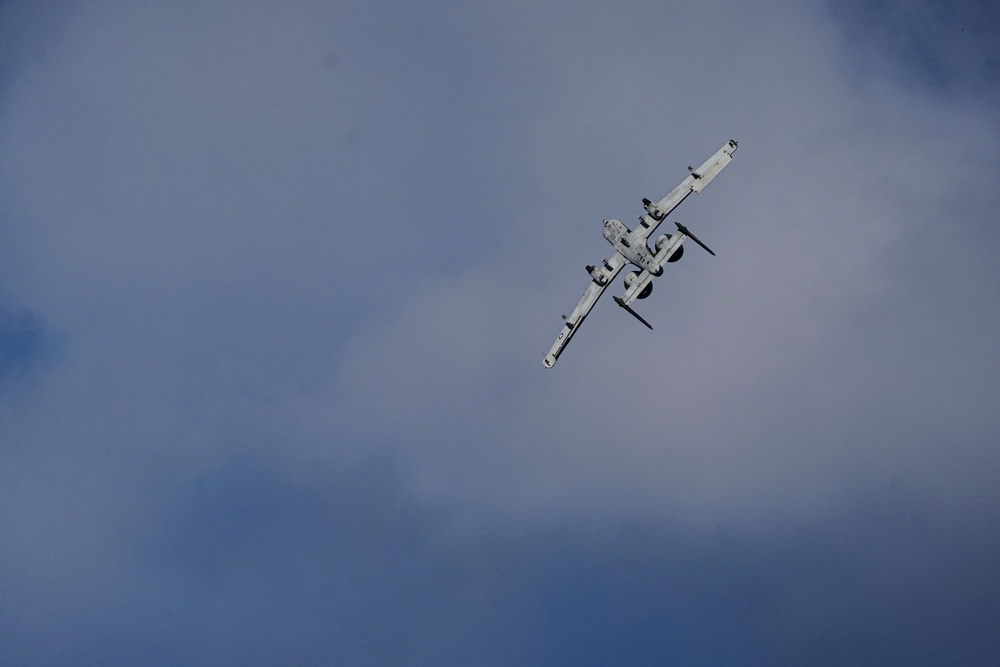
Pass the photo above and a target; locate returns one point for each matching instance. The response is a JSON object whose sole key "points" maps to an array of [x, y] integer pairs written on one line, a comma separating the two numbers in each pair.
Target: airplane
{"points": [[631, 248]]}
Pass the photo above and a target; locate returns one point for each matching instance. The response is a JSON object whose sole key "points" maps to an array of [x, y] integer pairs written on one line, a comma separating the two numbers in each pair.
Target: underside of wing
{"points": [[696, 181], [601, 277], [713, 165]]}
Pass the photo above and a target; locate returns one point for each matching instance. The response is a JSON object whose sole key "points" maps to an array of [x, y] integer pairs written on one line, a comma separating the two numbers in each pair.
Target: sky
{"points": [[276, 281]]}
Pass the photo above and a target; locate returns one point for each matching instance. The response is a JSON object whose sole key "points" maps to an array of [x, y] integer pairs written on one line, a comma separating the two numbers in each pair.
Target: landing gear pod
{"points": [[654, 210]]}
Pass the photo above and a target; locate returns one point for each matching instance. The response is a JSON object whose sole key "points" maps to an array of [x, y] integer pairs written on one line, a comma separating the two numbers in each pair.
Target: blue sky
{"points": [[275, 287]]}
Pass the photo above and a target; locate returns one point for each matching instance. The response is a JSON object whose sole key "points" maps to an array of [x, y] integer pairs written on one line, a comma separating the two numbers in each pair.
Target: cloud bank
{"points": [[276, 286]]}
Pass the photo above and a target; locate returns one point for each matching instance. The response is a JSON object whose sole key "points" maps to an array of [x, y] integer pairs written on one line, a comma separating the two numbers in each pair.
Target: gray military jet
{"points": [[630, 248]]}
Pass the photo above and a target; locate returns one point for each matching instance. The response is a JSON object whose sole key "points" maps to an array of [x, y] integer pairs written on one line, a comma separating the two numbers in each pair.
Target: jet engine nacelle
{"points": [[631, 278], [662, 241]]}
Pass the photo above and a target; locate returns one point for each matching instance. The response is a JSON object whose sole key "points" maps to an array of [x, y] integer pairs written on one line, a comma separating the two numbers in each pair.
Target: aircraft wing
{"points": [[611, 268], [696, 181]]}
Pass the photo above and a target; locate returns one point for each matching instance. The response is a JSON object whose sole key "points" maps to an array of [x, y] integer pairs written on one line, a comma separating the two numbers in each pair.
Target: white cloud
{"points": [[252, 248]]}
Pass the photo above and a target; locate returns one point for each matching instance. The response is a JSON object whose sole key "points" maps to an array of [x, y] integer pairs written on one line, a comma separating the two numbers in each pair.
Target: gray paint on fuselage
{"points": [[631, 245]]}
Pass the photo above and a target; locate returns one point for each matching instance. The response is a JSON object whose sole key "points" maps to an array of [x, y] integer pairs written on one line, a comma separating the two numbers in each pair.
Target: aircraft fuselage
{"points": [[631, 245]]}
